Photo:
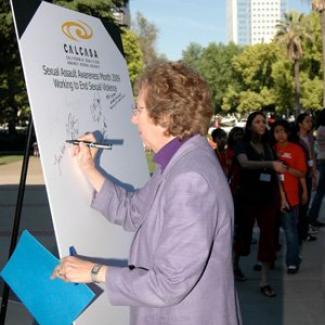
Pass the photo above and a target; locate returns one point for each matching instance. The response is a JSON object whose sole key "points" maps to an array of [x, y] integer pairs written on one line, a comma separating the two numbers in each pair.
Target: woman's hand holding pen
{"points": [[86, 160], [85, 154]]}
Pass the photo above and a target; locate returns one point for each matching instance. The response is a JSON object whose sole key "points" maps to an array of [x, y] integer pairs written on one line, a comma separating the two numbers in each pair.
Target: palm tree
{"points": [[291, 33], [319, 6]]}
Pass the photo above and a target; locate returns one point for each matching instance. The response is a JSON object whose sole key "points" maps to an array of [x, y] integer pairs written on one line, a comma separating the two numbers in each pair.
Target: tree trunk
{"points": [[12, 127], [297, 87], [322, 17]]}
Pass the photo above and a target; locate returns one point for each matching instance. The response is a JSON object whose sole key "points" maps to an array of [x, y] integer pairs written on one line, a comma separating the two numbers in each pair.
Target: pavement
{"points": [[300, 298]]}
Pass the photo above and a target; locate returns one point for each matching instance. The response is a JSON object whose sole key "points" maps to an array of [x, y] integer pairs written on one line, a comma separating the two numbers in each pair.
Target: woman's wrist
{"points": [[98, 273], [95, 178]]}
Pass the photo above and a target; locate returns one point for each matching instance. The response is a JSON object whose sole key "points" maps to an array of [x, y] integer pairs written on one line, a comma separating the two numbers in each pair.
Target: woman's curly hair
{"points": [[177, 98]]}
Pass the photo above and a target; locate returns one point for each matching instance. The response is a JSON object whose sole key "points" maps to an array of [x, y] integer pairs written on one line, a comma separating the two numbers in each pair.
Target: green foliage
{"points": [[192, 55], [5, 159], [312, 59], [147, 33], [214, 63], [96, 8], [291, 33], [13, 97], [283, 85], [311, 93], [253, 79], [230, 100], [253, 66], [249, 101], [150, 161], [133, 54]]}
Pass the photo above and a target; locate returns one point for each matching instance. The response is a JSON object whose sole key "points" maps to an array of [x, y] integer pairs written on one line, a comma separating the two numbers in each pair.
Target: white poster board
{"points": [[77, 81]]}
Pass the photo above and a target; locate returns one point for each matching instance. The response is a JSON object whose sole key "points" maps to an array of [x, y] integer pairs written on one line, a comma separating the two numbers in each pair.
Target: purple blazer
{"points": [[182, 247]]}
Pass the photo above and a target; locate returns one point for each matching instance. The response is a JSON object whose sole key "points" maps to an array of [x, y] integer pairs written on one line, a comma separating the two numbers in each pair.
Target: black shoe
{"points": [[267, 291], [310, 238], [313, 230], [239, 275], [257, 267], [292, 269], [318, 224]]}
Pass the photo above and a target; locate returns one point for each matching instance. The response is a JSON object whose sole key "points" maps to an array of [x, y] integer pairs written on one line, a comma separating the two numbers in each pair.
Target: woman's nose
{"points": [[134, 119]]}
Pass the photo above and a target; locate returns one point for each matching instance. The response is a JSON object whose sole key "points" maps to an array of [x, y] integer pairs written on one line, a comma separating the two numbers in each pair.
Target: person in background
{"points": [[320, 191], [304, 124], [236, 135], [180, 263], [219, 137], [258, 198], [293, 156]]}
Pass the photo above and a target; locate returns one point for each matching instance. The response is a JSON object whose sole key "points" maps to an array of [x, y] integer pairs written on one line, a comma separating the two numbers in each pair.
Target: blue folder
{"points": [[51, 302]]}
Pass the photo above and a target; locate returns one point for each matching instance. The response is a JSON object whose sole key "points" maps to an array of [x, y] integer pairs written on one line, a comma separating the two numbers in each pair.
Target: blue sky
{"points": [[181, 22]]}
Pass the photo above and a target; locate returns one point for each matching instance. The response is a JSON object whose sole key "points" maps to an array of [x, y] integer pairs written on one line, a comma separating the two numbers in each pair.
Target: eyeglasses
{"points": [[137, 110]]}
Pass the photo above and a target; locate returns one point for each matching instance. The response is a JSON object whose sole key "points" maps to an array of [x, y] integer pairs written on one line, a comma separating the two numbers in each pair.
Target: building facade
{"points": [[253, 21]]}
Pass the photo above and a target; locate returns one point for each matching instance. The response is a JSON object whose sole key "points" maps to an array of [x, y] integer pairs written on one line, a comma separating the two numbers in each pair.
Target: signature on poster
{"points": [[72, 127], [115, 99], [97, 114], [58, 158], [72, 132]]}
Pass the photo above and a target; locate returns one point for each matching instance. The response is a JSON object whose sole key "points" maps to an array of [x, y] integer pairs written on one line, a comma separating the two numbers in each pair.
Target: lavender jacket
{"points": [[182, 248]]}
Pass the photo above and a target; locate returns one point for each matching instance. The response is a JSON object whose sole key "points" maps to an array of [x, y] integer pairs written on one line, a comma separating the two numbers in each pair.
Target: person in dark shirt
{"points": [[219, 137], [258, 197]]}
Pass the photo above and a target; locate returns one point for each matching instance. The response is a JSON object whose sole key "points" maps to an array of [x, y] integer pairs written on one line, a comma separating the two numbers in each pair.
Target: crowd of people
{"points": [[273, 169]]}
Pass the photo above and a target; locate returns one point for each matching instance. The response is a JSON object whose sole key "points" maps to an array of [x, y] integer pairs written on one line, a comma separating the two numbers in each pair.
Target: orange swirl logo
{"points": [[76, 30]]}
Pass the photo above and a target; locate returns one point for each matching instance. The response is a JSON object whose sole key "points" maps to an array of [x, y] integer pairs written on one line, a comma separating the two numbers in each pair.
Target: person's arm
{"points": [[314, 166], [116, 204], [86, 161], [304, 194], [296, 172], [182, 250], [244, 162], [74, 269], [180, 257], [284, 203], [298, 166]]}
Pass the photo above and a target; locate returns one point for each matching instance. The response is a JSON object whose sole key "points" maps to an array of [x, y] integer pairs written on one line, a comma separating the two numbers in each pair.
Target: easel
{"points": [[17, 217]]}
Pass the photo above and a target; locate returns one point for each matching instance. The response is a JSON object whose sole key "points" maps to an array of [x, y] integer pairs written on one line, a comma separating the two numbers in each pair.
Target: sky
{"points": [[181, 22]]}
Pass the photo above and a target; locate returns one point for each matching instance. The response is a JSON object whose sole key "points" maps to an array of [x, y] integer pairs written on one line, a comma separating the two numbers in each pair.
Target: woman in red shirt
{"points": [[293, 156]]}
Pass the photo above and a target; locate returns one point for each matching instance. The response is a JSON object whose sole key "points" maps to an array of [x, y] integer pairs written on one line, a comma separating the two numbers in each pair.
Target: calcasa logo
{"points": [[76, 30]]}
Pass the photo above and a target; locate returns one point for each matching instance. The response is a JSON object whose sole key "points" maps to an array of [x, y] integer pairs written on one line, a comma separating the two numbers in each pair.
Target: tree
{"points": [[291, 33], [253, 66], [13, 96], [97, 8], [214, 64], [319, 7], [311, 92], [283, 85], [133, 54], [252, 87], [147, 33], [13, 99], [192, 55]]}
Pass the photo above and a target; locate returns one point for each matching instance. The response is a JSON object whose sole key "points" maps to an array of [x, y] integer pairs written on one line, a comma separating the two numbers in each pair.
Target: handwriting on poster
{"points": [[76, 79]]}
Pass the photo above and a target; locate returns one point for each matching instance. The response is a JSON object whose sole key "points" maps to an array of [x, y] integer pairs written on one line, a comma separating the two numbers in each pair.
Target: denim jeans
{"points": [[289, 222], [320, 192]]}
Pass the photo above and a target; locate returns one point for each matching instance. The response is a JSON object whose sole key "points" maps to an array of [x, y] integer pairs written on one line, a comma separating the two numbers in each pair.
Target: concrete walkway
{"points": [[299, 301]]}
